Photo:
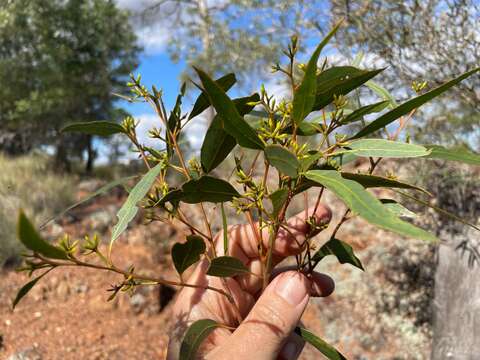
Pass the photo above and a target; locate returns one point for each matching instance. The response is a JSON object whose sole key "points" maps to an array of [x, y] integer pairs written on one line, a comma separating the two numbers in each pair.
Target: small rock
{"points": [[63, 290], [138, 302], [37, 314], [8, 322], [81, 288], [27, 354]]}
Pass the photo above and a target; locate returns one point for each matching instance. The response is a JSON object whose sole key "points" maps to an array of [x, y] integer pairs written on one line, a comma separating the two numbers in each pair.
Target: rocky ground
{"points": [[382, 313]]}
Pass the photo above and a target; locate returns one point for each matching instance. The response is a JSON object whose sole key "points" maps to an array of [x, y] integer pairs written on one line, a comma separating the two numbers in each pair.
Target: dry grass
{"points": [[27, 182]]}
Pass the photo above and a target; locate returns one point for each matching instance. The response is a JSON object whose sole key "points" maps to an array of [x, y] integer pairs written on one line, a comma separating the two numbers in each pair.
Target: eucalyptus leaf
{"points": [[226, 266], [366, 205], [24, 290], [457, 154], [202, 102], [186, 254], [100, 128], [341, 250], [33, 241], [304, 97], [375, 181], [410, 105], [326, 349], [282, 159], [217, 143], [129, 209], [195, 335], [339, 80], [382, 92], [208, 189], [278, 199], [386, 148], [364, 110], [234, 123], [398, 209]]}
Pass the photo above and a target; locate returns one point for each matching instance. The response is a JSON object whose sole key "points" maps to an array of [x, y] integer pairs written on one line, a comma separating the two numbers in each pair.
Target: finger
{"points": [[321, 285], [244, 239], [292, 348], [273, 318]]}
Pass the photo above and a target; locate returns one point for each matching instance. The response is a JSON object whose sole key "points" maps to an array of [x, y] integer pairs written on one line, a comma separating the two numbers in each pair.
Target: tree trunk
{"points": [[61, 161], [91, 154], [457, 301]]}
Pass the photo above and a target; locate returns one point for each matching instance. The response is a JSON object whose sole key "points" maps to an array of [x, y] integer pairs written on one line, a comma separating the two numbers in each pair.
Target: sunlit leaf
{"points": [[234, 123], [195, 335], [202, 102], [100, 128], [129, 209], [25, 289], [339, 80], [33, 241], [341, 250], [386, 148], [366, 205], [382, 92], [398, 209], [217, 143], [304, 96], [226, 266], [364, 110], [457, 154], [282, 159], [326, 349], [188, 253], [208, 189], [410, 105]]}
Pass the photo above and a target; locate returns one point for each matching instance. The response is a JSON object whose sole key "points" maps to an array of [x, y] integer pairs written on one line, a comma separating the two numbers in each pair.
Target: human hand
{"points": [[263, 323]]}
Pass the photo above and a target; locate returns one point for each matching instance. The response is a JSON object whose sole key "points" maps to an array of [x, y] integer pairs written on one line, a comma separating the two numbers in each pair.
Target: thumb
{"points": [[272, 319]]}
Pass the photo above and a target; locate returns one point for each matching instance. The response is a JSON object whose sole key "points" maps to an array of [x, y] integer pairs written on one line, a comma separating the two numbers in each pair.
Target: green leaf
{"points": [[386, 148], [26, 288], [202, 102], [283, 160], [195, 335], [234, 123], [129, 209], [208, 189], [217, 143], [225, 230], [311, 159], [326, 349], [304, 97], [226, 266], [457, 154], [188, 253], [339, 80], [341, 250], [410, 105], [397, 209], [100, 191], [364, 110], [33, 241], [278, 198], [365, 204], [382, 92], [100, 128]]}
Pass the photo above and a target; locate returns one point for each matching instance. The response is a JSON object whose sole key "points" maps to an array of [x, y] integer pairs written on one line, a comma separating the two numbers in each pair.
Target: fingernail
{"points": [[292, 287], [291, 351]]}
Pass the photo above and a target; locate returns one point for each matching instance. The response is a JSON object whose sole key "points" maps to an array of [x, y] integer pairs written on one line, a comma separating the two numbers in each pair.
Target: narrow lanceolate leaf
{"points": [[33, 241], [217, 143], [283, 160], [278, 199], [304, 97], [225, 230], [339, 80], [234, 123], [458, 154], [208, 189], [226, 266], [364, 110], [382, 92], [129, 209], [195, 335], [365, 204], [188, 253], [341, 250], [105, 188], [100, 128], [326, 349], [410, 105], [398, 209], [26, 288], [202, 102], [386, 148]]}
